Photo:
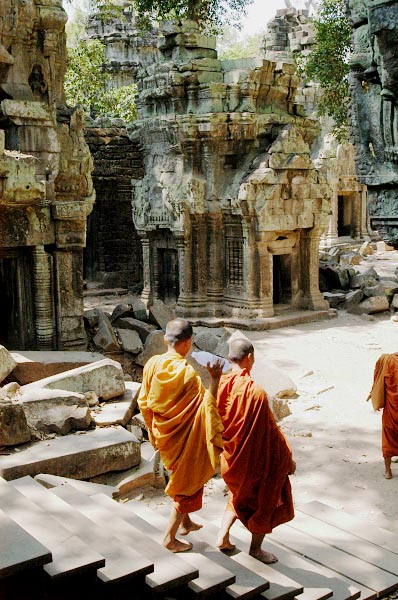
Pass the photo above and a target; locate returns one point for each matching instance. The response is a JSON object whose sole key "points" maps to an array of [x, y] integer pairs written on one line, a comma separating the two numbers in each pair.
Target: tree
{"points": [[229, 47], [327, 64]]}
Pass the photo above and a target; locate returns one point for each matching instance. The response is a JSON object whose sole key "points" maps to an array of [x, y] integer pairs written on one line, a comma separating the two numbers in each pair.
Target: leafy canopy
{"points": [[328, 63]]}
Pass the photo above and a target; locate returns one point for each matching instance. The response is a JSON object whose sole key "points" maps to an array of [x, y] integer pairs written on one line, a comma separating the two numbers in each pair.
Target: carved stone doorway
{"points": [[344, 216], [17, 328], [168, 275], [282, 279]]}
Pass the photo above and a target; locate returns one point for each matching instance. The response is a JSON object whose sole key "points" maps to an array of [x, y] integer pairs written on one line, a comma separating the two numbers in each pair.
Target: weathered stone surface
{"points": [[14, 428], [373, 290], [335, 277], [160, 314], [207, 339], [113, 413], [371, 305], [139, 309], [143, 329], [366, 249], [334, 299], [353, 298], [367, 278], [130, 340], [120, 311], [280, 408], [89, 454], [137, 420], [394, 302], [85, 487], [154, 344], [105, 337], [104, 377], [91, 318], [35, 365], [7, 363]]}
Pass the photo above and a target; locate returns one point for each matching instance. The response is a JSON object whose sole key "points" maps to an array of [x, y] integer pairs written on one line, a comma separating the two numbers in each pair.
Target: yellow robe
{"points": [[183, 422]]}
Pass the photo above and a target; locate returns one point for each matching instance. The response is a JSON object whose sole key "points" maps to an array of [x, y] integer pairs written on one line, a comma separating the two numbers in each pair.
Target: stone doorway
{"points": [[344, 216], [17, 329], [282, 279], [168, 275]]}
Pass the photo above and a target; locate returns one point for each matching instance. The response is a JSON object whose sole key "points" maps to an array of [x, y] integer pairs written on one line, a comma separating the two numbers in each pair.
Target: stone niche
{"points": [[45, 183], [289, 34], [374, 114], [231, 207]]}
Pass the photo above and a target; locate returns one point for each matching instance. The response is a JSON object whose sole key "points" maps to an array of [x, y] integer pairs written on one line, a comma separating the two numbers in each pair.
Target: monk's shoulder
{"points": [[257, 391]]}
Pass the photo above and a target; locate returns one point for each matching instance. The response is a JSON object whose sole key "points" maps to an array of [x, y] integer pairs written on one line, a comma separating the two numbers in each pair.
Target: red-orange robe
{"points": [[183, 424], [384, 395], [256, 458]]}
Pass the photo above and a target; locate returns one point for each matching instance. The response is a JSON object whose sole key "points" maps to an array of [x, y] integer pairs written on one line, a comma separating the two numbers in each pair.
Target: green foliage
{"points": [[230, 48], [328, 63], [89, 86], [210, 14]]}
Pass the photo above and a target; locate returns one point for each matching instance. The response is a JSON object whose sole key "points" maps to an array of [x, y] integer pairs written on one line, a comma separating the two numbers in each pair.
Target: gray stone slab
{"points": [[113, 413], [120, 561], [34, 365], [90, 489], [18, 549], [104, 377], [69, 554], [212, 578], [79, 456], [169, 570]]}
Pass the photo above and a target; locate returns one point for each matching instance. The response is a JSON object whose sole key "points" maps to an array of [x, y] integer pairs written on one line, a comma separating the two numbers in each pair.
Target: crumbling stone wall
{"points": [[231, 207], [374, 92], [45, 183], [292, 32]]}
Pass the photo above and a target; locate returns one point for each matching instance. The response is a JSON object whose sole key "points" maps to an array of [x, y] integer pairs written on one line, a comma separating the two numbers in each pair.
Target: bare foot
{"points": [[388, 474], [223, 543], [188, 527], [264, 557], [177, 546]]}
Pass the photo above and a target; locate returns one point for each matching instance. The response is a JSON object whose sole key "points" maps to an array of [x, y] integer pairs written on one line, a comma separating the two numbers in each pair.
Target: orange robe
{"points": [[256, 458], [184, 425], [384, 395]]}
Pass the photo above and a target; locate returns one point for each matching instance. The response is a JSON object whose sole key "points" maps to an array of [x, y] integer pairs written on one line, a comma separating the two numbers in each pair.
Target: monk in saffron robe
{"points": [[256, 459], [384, 396], [183, 424]]}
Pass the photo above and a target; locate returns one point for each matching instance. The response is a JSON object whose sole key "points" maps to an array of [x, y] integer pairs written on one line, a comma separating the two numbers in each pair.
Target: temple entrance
{"points": [[168, 276], [344, 216], [282, 279], [17, 331]]}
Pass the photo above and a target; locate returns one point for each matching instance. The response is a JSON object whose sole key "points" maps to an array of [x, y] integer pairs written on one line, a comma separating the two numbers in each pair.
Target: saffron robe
{"points": [[384, 395], [256, 458], [183, 422]]}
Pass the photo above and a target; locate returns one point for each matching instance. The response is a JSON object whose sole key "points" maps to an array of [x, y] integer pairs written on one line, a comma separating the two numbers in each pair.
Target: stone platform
{"points": [[286, 318]]}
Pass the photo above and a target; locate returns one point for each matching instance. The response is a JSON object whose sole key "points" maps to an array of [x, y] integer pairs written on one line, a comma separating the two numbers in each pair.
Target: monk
{"points": [[256, 459], [384, 395], [184, 425]]}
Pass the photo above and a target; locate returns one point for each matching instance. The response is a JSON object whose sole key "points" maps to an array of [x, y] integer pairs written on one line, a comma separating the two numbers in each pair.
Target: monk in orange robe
{"points": [[183, 424], [384, 396], [256, 459]]}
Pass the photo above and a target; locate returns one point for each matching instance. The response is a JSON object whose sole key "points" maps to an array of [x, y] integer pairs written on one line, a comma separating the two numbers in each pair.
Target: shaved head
{"points": [[178, 330], [239, 349]]}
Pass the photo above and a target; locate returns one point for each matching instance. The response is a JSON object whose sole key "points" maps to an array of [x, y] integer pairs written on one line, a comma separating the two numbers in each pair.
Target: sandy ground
{"points": [[335, 434]]}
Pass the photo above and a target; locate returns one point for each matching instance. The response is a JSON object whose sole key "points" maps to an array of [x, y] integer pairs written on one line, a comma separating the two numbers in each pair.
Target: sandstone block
{"points": [[120, 311], [34, 365], [104, 377], [335, 299], [91, 318], [105, 337], [373, 290], [366, 249], [79, 456], [143, 329], [353, 298], [14, 428], [114, 413], [130, 340], [139, 309], [154, 344], [394, 302], [160, 314], [7, 363], [85, 487], [367, 278], [371, 305]]}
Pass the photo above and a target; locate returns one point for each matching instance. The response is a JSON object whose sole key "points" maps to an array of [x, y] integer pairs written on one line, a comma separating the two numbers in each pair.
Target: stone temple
{"points": [[46, 189]]}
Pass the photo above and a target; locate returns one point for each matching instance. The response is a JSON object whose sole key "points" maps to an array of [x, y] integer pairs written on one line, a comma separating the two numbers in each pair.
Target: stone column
{"points": [[146, 294], [184, 250], [202, 266], [216, 261], [266, 275], [251, 263], [43, 299], [329, 237], [310, 297]]}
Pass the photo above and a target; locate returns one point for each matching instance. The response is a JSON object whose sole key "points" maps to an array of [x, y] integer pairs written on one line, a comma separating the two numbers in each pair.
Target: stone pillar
{"points": [[43, 299], [356, 216], [266, 273], [202, 262], [310, 296], [216, 259], [250, 260], [184, 250], [329, 238], [147, 292]]}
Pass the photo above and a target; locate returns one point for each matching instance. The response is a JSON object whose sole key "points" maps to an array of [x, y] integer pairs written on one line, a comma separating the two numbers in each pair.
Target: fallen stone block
{"points": [[334, 298], [394, 302], [373, 290], [91, 318], [366, 249], [79, 455], [154, 344], [34, 365], [130, 340], [131, 393], [371, 305], [137, 420], [104, 377], [160, 314], [14, 428], [139, 309], [280, 408], [113, 413], [105, 337], [121, 311], [7, 363], [353, 298], [143, 329], [207, 339], [85, 487], [367, 278]]}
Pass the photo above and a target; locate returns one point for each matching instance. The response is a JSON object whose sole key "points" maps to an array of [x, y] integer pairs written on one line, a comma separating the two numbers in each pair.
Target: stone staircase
{"points": [[72, 542]]}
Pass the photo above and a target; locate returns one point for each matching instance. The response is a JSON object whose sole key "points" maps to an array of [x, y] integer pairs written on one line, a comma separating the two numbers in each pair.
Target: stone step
{"points": [[212, 578], [69, 554], [119, 561], [38, 364], [85, 487], [89, 454], [247, 584], [169, 570], [18, 549]]}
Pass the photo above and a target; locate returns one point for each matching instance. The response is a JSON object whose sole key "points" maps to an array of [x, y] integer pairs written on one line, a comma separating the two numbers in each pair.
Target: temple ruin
{"points": [[46, 190]]}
